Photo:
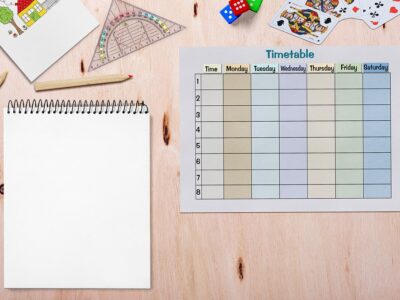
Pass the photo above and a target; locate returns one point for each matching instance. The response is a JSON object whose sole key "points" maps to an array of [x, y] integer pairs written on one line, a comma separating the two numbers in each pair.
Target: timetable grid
{"points": [[294, 139]]}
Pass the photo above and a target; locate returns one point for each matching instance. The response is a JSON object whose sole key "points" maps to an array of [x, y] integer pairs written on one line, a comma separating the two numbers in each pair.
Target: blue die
{"points": [[228, 15]]}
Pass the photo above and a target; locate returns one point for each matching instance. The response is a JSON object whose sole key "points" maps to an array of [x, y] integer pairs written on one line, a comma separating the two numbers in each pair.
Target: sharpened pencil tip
{"points": [[3, 77], [130, 76]]}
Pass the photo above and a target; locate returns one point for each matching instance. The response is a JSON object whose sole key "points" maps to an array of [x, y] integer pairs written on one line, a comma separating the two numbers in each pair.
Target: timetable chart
{"points": [[296, 130]]}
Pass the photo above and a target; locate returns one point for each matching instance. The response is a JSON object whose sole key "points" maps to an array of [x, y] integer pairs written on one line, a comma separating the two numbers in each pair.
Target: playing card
{"points": [[390, 11], [372, 12], [342, 9], [304, 22], [349, 9]]}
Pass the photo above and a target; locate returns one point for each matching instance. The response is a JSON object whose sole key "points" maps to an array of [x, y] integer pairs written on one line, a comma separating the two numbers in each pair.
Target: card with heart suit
{"points": [[372, 11], [342, 9], [304, 22], [390, 11], [349, 9]]}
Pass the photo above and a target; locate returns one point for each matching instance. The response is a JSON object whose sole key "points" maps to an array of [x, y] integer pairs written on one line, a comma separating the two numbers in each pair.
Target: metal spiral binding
{"points": [[76, 107]]}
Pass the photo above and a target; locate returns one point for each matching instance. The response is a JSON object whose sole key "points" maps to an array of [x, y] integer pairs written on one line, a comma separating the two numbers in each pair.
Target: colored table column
{"points": [[237, 132], [377, 131], [211, 132], [293, 131], [265, 131], [349, 131], [321, 131]]}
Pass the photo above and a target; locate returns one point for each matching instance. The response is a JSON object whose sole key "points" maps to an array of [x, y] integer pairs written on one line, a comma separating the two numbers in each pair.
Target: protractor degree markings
{"points": [[165, 20], [154, 28], [129, 32], [145, 31], [136, 33], [126, 8], [124, 38], [119, 9], [135, 39], [119, 42], [92, 67], [119, 36], [124, 32], [113, 14], [116, 41], [124, 35]]}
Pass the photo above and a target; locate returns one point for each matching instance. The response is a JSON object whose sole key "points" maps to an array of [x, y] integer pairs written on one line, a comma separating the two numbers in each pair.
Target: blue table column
{"points": [[377, 131], [293, 131], [265, 131]]}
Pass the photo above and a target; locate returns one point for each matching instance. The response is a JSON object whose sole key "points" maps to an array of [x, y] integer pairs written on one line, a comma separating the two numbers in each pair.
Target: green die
{"points": [[255, 5]]}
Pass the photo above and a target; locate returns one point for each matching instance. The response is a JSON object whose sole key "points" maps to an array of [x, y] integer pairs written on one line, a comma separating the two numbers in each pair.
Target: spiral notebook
{"points": [[77, 198]]}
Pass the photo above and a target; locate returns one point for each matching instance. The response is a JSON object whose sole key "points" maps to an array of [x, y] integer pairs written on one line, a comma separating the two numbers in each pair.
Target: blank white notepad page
{"points": [[77, 201]]}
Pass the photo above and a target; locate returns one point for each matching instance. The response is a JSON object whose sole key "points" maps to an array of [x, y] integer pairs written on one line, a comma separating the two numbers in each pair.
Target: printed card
{"points": [[304, 22], [372, 12], [342, 9], [390, 11], [36, 33]]}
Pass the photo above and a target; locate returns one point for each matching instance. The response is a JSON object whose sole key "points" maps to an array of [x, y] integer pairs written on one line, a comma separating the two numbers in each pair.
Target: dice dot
{"points": [[225, 11]]}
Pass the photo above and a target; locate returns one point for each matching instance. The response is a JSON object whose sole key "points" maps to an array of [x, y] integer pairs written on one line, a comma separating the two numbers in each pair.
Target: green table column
{"points": [[349, 130]]}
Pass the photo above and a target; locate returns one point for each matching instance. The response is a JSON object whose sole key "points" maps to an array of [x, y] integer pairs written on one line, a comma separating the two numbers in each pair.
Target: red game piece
{"points": [[239, 6]]}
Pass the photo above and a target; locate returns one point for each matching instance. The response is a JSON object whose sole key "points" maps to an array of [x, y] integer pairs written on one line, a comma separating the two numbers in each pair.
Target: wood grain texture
{"points": [[226, 256]]}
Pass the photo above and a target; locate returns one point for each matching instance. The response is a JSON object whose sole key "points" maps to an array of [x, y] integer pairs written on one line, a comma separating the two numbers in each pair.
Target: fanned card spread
{"points": [[313, 20], [36, 33]]}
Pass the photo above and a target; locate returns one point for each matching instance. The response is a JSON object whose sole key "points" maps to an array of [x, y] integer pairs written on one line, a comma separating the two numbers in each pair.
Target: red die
{"points": [[239, 6]]}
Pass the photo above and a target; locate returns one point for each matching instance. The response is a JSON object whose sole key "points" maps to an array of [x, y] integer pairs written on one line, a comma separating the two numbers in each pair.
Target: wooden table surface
{"points": [[226, 256]]}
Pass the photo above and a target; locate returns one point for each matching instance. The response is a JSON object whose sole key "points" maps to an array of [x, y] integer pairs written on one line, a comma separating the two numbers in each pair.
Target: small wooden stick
{"points": [[3, 77], [70, 83]]}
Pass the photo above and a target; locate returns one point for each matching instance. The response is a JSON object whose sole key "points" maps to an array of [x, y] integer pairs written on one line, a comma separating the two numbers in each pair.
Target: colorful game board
{"points": [[37, 33], [274, 131]]}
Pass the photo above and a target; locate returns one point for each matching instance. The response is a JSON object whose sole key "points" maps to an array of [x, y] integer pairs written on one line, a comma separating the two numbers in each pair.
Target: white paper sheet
{"points": [[35, 46], [77, 201]]}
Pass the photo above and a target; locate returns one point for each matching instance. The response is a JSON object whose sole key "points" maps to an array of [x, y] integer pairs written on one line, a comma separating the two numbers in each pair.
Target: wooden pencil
{"points": [[70, 83], [3, 77]]}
